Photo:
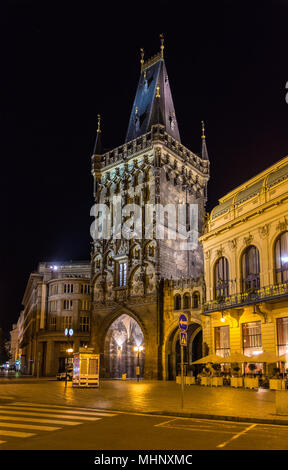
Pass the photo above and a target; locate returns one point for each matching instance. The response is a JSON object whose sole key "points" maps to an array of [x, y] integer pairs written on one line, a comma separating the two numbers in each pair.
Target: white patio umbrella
{"points": [[265, 356], [235, 357], [283, 358], [210, 358]]}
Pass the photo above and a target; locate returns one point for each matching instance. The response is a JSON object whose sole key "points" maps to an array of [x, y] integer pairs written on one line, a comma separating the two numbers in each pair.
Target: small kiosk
{"points": [[86, 368]]}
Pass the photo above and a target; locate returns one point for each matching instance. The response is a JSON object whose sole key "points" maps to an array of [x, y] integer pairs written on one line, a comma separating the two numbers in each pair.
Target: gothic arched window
{"points": [[221, 276], [250, 269], [196, 300], [186, 301], [281, 258], [177, 302]]}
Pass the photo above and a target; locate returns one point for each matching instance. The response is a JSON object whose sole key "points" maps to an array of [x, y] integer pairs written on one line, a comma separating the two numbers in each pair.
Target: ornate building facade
{"points": [[139, 285], [135, 278], [246, 267], [57, 297]]}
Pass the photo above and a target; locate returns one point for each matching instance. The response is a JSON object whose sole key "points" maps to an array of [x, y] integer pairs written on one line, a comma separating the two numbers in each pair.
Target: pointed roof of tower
{"points": [[153, 102], [98, 146], [204, 153]]}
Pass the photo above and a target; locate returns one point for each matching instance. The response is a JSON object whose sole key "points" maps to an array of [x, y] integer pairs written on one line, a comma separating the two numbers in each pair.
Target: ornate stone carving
{"points": [[282, 225], [220, 252], [233, 244], [248, 240], [264, 231]]}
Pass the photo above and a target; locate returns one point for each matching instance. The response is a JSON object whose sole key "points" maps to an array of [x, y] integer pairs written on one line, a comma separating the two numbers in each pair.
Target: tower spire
{"points": [[98, 146], [162, 45], [142, 58], [153, 99], [204, 146]]}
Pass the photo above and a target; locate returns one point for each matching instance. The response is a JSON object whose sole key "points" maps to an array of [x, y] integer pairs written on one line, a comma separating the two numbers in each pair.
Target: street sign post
{"points": [[183, 322], [183, 338], [183, 325], [68, 332]]}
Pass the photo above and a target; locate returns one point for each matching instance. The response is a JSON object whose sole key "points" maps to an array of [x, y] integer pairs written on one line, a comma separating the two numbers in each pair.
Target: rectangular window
{"points": [[84, 324], [222, 341], [85, 289], [252, 340], [85, 305], [54, 289], [282, 335], [68, 288], [67, 304], [52, 325], [67, 322], [53, 306], [123, 274]]}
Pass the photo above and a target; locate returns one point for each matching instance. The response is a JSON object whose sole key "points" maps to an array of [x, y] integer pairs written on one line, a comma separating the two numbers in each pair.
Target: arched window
{"points": [[177, 302], [281, 258], [196, 300], [186, 301], [250, 269], [221, 276]]}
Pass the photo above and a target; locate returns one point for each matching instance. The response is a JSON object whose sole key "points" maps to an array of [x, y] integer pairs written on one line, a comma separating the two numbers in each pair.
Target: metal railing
{"points": [[264, 294]]}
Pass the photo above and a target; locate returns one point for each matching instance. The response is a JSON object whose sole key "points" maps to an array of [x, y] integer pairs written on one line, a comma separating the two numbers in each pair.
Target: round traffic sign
{"points": [[183, 322]]}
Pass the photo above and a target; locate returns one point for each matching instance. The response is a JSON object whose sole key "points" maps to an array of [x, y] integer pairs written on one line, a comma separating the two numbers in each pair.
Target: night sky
{"points": [[62, 63]]}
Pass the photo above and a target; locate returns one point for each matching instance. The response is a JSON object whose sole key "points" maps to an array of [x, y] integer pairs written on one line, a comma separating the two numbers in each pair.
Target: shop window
{"points": [[282, 335], [222, 341], [252, 338]]}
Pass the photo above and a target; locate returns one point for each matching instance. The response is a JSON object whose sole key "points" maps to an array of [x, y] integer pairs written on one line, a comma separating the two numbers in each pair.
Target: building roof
{"points": [[264, 180], [153, 102]]}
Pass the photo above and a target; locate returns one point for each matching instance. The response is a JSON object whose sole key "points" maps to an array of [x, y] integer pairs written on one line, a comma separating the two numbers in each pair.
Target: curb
{"points": [[182, 414]]}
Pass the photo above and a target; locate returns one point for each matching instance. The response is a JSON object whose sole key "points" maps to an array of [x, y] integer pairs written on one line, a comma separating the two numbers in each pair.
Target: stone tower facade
{"points": [[130, 266]]}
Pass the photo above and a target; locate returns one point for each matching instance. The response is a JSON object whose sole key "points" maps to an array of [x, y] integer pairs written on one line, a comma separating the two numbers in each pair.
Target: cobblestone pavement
{"points": [[147, 396]]}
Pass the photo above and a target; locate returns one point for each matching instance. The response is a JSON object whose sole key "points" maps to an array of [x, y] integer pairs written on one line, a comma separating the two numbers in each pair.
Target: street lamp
{"points": [[138, 349], [68, 332]]}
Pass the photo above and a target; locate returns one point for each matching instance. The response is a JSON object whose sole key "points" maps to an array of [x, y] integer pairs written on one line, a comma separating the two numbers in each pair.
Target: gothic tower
{"points": [[129, 268]]}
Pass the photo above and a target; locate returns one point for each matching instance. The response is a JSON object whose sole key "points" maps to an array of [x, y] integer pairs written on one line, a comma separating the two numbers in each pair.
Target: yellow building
{"points": [[245, 247]]}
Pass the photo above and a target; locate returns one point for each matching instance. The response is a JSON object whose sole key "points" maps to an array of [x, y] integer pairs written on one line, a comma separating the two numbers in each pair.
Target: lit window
{"points": [[282, 335], [222, 341], [122, 274], [52, 323], [84, 324], [252, 339], [67, 322], [85, 305], [281, 258]]}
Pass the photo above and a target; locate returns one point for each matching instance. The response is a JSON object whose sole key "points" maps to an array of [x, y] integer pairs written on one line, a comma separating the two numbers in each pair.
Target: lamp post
{"points": [[138, 349], [68, 332]]}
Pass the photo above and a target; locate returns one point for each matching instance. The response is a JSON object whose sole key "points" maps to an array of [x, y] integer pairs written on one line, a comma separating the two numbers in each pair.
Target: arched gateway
{"points": [[123, 335], [192, 351]]}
